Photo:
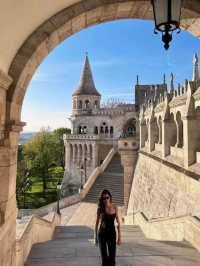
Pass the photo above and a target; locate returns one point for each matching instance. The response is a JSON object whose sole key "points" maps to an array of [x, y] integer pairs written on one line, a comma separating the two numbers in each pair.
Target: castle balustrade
{"points": [[177, 152], [88, 137], [158, 147], [31, 231], [168, 228], [198, 157]]}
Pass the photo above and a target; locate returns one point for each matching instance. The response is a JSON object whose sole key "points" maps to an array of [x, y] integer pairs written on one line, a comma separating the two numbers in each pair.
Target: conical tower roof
{"points": [[86, 86]]}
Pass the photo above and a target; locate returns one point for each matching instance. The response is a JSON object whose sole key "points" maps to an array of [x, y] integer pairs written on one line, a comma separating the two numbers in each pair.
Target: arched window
{"points": [[96, 104], [106, 130], [85, 130], [96, 131], [111, 130], [87, 104], [80, 105]]}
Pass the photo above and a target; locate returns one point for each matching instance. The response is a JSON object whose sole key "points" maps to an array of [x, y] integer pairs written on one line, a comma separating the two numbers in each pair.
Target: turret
{"points": [[171, 85], [86, 97], [195, 68]]}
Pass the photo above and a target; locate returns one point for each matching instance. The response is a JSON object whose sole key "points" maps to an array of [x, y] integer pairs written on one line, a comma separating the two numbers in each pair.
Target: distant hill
{"points": [[25, 137]]}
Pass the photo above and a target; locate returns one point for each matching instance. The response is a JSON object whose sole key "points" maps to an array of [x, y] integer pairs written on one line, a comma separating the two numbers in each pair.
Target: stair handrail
{"points": [[97, 171], [36, 230]]}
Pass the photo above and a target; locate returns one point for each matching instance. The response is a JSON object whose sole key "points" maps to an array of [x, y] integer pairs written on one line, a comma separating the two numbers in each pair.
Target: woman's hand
{"points": [[119, 241]]}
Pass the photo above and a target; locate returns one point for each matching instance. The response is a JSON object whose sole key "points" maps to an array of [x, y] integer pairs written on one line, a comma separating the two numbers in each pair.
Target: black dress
{"points": [[107, 239]]}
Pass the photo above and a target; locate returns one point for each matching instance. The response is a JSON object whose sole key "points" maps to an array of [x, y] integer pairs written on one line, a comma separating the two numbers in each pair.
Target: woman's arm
{"points": [[118, 226], [97, 222]]}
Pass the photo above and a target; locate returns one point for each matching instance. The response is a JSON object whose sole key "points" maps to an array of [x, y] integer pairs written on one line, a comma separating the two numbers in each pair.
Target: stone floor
{"points": [[73, 245]]}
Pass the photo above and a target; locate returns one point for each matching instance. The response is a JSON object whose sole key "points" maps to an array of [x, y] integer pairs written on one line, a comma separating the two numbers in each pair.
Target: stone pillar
{"points": [[128, 149], [160, 131], [67, 156], [151, 144], [165, 138], [74, 153], [8, 210], [142, 134], [95, 150], [190, 134], [9, 136]]}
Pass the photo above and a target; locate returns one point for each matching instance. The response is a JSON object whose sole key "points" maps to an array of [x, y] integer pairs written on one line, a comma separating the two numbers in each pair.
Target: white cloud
{"points": [[36, 119]]}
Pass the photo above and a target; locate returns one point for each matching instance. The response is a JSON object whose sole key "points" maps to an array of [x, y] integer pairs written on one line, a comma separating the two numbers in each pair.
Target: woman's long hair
{"points": [[101, 204]]}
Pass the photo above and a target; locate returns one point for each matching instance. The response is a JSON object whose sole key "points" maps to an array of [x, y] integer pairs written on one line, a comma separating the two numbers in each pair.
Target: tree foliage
{"points": [[42, 157]]}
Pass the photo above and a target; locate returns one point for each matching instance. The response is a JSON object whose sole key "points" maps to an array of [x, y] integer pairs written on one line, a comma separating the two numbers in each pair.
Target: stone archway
{"points": [[13, 86], [66, 23]]}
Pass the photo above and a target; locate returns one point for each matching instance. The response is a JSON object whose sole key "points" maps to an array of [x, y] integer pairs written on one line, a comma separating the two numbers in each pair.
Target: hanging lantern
{"points": [[167, 14]]}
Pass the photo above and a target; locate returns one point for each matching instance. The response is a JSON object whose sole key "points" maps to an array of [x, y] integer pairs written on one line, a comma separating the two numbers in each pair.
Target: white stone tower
{"points": [[86, 97]]}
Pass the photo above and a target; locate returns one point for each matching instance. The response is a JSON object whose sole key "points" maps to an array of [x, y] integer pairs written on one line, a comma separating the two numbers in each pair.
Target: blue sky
{"points": [[118, 51]]}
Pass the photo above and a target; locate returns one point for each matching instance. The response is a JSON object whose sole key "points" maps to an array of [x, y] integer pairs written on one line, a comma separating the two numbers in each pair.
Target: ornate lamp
{"points": [[167, 14]]}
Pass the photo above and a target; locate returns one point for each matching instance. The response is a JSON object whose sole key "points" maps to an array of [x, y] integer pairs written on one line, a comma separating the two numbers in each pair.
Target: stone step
{"points": [[73, 246]]}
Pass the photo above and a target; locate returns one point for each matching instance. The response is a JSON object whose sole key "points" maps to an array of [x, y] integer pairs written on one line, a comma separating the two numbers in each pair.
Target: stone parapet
{"points": [[168, 229], [128, 149], [35, 230]]}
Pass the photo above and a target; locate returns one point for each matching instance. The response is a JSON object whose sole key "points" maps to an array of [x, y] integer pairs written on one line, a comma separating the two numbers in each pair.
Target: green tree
{"points": [[40, 155], [60, 151]]}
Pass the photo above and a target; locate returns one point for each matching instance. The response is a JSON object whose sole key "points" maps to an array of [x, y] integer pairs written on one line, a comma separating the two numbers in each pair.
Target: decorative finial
{"points": [[164, 79], [195, 68], [172, 84], [195, 59], [137, 80]]}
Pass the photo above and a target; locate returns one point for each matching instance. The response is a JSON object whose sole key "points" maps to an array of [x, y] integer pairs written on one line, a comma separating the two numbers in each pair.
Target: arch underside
{"points": [[66, 23]]}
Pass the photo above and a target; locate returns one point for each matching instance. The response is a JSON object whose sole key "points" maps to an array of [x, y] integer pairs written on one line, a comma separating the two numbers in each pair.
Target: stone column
{"points": [[74, 153], [95, 149], [67, 156], [128, 149], [8, 210], [165, 138], [190, 134], [142, 134], [160, 131], [9, 136], [151, 144]]}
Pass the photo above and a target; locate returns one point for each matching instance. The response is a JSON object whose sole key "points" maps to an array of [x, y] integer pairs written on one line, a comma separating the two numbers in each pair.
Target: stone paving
{"points": [[73, 245]]}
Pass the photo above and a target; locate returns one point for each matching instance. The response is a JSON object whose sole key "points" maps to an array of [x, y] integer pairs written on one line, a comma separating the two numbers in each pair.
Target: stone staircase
{"points": [[111, 179], [73, 246]]}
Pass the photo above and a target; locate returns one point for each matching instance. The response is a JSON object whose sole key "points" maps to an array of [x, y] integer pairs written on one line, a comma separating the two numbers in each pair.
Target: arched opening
{"points": [[96, 104], [111, 130], [87, 104], [80, 104], [71, 151], [129, 129], [96, 131], [75, 152], [46, 37]]}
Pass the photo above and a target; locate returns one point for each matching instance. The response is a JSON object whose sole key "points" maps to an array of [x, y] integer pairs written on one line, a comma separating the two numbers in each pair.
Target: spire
{"points": [[195, 68], [164, 79], [137, 80], [172, 84], [87, 85]]}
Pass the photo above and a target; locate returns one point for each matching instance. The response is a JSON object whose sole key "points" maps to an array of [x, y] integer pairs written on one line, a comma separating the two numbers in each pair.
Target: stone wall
{"points": [[161, 190]]}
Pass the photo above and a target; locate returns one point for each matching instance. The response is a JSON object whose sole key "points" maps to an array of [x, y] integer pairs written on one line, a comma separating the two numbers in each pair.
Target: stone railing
{"points": [[35, 230], [169, 228], [97, 171], [88, 136]]}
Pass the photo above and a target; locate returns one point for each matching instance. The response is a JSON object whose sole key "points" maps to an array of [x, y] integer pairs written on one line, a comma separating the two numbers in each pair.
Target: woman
{"points": [[106, 236]]}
